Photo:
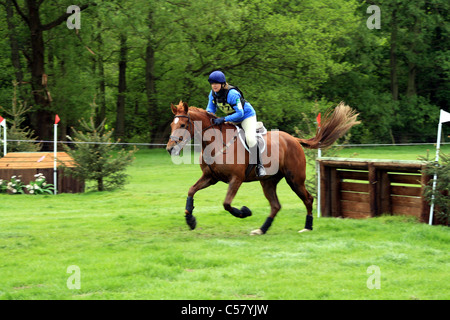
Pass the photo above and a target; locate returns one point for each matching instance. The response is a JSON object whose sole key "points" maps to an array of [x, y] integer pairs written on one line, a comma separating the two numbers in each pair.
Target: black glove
{"points": [[219, 121]]}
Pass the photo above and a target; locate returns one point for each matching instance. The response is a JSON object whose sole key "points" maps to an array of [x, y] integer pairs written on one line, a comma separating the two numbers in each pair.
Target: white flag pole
{"points": [[5, 149], [443, 117], [55, 171], [3, 123], [319, 155]]}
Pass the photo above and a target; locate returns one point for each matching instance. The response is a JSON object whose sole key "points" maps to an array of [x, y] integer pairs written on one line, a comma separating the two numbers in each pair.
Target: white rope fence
{"points": [[164, 144]]}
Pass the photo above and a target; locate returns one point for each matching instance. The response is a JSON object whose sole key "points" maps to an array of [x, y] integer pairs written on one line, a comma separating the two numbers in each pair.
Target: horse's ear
{"points": [[186, 107], [174, 109]]}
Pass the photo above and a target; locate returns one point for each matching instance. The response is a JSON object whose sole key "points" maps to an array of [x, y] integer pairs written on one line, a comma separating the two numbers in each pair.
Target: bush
{"points": [[16, 186], [20, 139], [441, 195], [95, 158], [40, 186]]}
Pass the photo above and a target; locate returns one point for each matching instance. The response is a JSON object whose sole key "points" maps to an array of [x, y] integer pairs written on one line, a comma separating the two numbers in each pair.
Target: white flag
{"points": [[444, 117]]}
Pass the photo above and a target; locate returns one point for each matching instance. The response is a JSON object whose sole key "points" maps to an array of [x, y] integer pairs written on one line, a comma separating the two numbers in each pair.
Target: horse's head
{"points": [[182, 128]]}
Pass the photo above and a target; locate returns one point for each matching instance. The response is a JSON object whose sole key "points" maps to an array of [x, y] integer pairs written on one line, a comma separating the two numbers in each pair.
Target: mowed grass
{"points": [[134, 244]]}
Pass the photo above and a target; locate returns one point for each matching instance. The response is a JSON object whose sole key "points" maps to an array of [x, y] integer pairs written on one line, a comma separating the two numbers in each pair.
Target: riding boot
{"points": [[260, 170]]}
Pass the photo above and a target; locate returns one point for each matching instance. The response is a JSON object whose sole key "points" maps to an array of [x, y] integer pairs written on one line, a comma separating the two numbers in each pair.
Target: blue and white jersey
{"points": [[236, 112]]}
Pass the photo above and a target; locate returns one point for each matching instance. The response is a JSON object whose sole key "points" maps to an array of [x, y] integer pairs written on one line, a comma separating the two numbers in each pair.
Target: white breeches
{"points": [[249, 126]]}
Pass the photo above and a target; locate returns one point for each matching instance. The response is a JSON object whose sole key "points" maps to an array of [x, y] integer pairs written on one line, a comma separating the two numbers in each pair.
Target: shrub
{"points": [[40, 186], [441, 195], [20, 139], [95, 157], [16, 186]]}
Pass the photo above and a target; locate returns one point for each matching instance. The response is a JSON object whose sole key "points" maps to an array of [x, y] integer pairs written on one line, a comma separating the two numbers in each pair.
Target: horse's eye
{"points": [[183, 126]]}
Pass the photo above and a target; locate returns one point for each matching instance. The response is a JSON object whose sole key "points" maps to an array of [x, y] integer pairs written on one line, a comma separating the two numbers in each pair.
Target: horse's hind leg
{"points": [[233, 188], [297, 184], [270, 191]]}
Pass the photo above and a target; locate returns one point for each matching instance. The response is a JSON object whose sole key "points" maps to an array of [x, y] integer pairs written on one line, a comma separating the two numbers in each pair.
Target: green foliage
{"points": [[14, 186], [284, 56], [134, 244], [40, 186], [441, 195], [96, 159], [21, 137]]}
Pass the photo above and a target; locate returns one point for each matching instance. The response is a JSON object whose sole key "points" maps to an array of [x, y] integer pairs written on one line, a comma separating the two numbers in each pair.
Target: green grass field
{"points": [[134, 244]]}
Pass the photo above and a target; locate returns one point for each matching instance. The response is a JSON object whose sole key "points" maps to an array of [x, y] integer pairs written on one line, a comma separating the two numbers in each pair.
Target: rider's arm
{"points": [[211, 108], [237, 116]]}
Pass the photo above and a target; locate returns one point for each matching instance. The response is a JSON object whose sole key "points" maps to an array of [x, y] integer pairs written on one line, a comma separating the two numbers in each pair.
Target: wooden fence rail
{"points": [[362, 188], [28, 164]]}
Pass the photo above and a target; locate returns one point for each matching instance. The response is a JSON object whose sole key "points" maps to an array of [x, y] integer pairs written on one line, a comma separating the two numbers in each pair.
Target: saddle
{"points": [[260, 132]]}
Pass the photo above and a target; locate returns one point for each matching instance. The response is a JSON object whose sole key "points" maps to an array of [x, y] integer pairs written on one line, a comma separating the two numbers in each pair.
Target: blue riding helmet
{"points": [[217, 77]]}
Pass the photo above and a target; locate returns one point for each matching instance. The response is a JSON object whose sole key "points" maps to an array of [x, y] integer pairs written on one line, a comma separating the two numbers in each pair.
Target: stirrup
{"points": [[260, 170]]}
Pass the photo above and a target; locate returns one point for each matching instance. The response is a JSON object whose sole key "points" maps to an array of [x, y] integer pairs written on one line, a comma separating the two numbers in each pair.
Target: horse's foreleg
{"points": [[204, 182], [233, 187]]}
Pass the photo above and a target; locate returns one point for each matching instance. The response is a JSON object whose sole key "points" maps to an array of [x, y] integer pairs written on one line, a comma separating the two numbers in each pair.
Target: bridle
{"points": [[179, 140], [182, 140]]}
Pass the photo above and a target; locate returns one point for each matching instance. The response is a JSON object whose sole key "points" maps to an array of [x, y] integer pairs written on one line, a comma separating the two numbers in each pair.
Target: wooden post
{"points": [[335, 193], [384, 193], [325, 192], [425, 207], [373, 190]]}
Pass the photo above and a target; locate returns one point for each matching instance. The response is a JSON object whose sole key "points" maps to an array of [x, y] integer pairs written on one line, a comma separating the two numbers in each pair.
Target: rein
{"points": [[182, 139]]}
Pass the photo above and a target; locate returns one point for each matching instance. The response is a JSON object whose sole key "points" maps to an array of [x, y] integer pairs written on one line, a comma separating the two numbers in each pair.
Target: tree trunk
{"points": [[15, 57], [102, 98], [43, 116], [393, 58], [150, 87], [411, 90], [100, 185], [412, 66], [120, 114], [101, 111]]}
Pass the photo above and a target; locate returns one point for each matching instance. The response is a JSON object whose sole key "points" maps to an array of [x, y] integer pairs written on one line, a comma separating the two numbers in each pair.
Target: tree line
{"points": [[292, 59]]}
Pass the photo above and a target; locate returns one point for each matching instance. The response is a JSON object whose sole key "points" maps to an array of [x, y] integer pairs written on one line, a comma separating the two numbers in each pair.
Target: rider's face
{"points": [[216, 87]]}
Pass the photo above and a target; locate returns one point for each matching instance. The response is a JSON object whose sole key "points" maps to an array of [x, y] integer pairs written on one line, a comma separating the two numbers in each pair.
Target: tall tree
{"points": [[122, 87], [32, 18], [15, 54]]}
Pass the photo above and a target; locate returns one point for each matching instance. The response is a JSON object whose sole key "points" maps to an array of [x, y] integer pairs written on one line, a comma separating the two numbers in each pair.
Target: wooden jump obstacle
{"points": [[363, 188], [28, 164]]}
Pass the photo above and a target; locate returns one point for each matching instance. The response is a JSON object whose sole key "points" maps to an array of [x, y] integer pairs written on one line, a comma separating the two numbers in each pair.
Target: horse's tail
{"points": [[334, 125]]}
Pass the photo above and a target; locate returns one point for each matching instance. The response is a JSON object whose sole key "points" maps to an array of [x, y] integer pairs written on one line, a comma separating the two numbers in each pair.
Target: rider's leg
{"points": [[249, 126]]}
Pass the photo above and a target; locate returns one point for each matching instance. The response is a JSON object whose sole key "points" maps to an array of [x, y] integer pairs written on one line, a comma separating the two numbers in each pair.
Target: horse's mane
{"points": [[202, 111]]}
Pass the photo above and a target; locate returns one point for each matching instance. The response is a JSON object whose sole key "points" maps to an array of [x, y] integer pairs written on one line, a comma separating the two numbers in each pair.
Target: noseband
{"points": [[179, 140]]}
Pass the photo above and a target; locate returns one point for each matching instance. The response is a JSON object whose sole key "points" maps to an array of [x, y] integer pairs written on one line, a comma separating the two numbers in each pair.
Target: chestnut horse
{"points": [[289, 162]]}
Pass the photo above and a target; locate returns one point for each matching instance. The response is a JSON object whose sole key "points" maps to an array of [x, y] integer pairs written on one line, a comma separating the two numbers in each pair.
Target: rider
{"points": [[230, 100]]}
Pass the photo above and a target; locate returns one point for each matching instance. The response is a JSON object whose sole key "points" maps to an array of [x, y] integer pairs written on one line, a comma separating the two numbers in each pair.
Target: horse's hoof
{"points": [[245, 212], [191, 221], [257, 232], [304, 230]]}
